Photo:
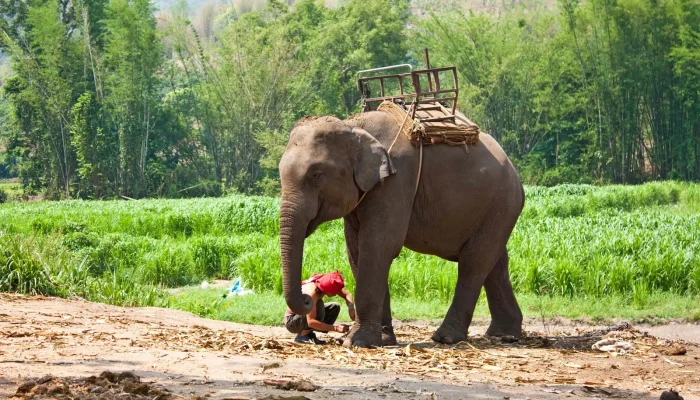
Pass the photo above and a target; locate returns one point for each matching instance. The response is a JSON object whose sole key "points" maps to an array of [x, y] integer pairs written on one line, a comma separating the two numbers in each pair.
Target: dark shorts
{"points": [[326, 313]]}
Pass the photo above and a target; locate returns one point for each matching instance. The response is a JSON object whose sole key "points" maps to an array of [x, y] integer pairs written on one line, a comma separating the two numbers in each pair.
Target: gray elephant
{"points": [[463, 209]]}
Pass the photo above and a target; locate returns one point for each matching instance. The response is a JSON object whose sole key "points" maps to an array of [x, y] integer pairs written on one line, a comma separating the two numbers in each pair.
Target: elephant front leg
{"points": [[371, 290], [386, 330], [388, 335]]}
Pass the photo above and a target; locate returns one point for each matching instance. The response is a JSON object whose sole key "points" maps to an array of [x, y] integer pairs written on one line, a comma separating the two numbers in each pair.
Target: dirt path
{"points": [[191, 356]]}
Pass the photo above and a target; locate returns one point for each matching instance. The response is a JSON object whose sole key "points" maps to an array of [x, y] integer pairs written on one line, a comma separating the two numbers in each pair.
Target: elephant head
{"points": [[324, 170]]}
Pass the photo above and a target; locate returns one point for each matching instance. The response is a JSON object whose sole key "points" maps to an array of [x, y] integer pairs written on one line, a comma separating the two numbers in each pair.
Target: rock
{"points": [[97, 390], [128, 376], [670, 395], [58, 388], [110, 376], [40, 389], [136, 388], [306, 386], [674, 349], [25, 388], [300, 385]]}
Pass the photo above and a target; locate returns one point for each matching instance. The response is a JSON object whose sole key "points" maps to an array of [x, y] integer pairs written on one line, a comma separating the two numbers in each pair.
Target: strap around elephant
{"points": [[420, 160]]}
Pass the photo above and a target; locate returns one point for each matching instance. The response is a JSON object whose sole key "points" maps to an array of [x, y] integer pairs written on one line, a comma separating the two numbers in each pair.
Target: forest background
{"points": [[102, 98]]}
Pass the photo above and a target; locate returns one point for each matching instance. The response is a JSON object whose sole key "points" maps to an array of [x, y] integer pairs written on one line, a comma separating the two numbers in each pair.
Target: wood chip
{"points": [[673, 362]]}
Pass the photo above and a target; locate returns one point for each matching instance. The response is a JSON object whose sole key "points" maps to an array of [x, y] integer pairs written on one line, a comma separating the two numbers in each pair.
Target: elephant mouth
{"points": [[311, 228], [317, 220]]}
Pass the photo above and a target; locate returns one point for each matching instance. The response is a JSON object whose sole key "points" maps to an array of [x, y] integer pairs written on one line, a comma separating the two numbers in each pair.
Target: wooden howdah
{"points": [[424, 101]]}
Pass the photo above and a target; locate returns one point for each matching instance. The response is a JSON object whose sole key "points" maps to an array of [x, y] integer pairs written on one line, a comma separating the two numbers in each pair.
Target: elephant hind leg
{"points": [[506, 317], [476, 261], [388, 336]]}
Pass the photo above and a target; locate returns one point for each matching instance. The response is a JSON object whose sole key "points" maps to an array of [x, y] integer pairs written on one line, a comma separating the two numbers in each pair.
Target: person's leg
{"points": [[331, 312], [294, 323], [320, 311], [307, 335]]}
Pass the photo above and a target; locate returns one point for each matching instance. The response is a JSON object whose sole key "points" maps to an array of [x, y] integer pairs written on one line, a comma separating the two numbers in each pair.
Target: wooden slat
{"points": [[426, 108], [435, 100], [459, 117], [434, 92], [436, 119]]}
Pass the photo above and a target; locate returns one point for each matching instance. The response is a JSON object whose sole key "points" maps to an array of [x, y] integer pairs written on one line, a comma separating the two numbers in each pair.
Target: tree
{"points": [[132, 58]]}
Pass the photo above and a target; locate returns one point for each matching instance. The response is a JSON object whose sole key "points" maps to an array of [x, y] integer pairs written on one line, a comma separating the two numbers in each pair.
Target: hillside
{"points": [[418, 7]]}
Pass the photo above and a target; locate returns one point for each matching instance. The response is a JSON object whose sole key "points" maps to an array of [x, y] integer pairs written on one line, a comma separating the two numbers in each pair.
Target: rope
{"points": [[420, 166], [420, 160], [461, 132], [410, 110], [359, 201]]}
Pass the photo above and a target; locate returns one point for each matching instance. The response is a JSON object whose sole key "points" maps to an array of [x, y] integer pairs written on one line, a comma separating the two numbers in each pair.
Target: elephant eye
{"points": [[316, 176]]}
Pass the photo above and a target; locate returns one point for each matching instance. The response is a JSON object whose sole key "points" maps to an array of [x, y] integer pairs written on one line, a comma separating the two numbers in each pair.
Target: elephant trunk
{"points": [[293, 227]]}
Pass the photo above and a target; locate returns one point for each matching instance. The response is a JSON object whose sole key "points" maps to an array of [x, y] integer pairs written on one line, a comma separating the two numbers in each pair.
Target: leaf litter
{"points": [[534, 358], [651, 363]]}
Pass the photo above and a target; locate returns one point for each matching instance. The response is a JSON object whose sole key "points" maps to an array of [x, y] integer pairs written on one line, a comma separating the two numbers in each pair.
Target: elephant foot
{"points": [[364, 335], [450, 333], [388, 336], [502, 330]]}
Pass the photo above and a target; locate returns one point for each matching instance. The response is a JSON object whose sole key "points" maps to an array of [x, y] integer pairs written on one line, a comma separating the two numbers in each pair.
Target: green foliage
{"points": [[87, 117], [268, 308], [105, 101], [40, 265], [584, 92], [571, 240], [271, 67], [21, 270]]}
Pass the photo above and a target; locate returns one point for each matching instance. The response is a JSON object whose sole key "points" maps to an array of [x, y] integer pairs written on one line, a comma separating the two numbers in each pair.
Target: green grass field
{"points": [[11, 188], [578, 250]]}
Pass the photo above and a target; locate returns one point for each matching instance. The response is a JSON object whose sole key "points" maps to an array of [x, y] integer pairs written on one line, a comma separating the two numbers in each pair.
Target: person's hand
{"points": [[351, 313], [342, 328]]}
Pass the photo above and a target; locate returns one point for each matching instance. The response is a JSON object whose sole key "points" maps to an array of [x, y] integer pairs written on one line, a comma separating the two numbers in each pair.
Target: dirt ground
{"points": [[54, 348]]}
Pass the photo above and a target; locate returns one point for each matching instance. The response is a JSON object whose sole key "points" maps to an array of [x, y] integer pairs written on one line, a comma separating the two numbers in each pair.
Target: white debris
{"points": [[612, 346]]}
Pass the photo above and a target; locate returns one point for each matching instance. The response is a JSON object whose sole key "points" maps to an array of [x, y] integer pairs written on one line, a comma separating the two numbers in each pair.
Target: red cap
{"points": [[330, 283]]}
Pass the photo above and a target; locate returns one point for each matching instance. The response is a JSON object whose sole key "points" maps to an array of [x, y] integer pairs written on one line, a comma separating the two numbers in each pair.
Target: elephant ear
{"points": [[373, 161]]}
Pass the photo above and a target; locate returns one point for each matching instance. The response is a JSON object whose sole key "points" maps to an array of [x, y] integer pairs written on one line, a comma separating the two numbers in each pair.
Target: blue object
{"points": [[236, 286]]}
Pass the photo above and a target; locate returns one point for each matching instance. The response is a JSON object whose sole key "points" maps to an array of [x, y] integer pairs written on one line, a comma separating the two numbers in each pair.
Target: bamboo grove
{"points": [[118, 97]]}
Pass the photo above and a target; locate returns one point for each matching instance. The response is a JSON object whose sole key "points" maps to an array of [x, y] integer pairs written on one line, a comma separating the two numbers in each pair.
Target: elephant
{"points": [[462, 209]]}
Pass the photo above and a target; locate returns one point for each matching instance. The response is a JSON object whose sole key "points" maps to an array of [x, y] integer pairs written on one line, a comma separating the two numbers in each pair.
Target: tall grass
{"points": [[571, 240]]}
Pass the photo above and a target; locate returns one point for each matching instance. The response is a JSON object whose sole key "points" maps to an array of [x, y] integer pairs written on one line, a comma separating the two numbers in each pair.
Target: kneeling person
{"points": [[322, 316]]}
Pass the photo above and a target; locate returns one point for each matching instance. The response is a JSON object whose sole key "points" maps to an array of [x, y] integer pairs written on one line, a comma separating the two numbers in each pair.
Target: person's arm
{"points": [[349, 301], [321, 326]]}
